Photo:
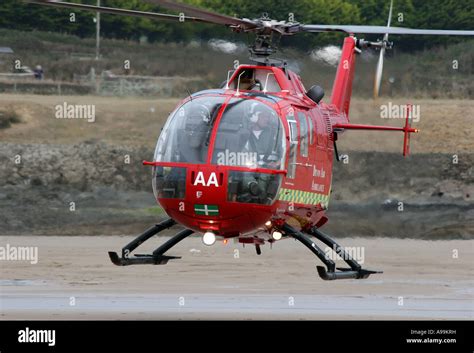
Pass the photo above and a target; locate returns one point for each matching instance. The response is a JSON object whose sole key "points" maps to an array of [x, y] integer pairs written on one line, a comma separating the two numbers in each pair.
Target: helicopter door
{"points": [[304, 165]]}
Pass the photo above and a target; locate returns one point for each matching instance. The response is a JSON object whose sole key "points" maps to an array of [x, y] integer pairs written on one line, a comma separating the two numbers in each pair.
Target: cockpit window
{"points": [[250, 134], [255, 80], [268, 80], [186, 136]]}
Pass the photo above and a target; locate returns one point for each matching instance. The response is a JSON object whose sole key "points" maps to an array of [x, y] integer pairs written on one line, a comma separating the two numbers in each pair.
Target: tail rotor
{"points": [[385, 44]]}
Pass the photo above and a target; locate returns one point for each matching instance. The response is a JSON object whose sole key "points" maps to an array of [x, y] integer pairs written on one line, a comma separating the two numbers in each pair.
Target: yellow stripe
{"points": [[300, 196]]}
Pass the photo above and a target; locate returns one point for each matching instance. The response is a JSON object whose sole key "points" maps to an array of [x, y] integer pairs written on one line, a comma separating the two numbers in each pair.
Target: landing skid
{"points": [[140, 259], [355, 271], [158, 256]]}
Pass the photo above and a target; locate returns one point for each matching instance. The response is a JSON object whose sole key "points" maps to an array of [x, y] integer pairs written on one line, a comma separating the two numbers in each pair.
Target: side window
{"points": [[293, 126], [293, 130], [311, 129], [267, 80], [303, 134]]}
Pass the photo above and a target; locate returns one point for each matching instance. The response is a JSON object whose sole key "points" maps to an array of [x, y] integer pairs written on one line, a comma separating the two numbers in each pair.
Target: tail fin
{"points": [[342, 88]]}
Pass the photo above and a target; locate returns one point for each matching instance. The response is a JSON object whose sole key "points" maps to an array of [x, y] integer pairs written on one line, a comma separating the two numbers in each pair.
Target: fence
{"points": [[105, 84], [108, 84]]}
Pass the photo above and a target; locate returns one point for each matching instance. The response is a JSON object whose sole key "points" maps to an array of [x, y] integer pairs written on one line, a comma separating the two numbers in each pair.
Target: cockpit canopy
{"points": [[240, 132], [186, 135]]}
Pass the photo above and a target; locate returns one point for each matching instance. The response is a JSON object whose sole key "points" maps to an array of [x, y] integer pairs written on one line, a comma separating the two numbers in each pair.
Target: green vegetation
{"points": [[8, 117], [438, 14], [426, 73]]}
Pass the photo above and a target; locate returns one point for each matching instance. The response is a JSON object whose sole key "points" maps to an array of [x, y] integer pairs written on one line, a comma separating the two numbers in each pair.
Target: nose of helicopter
{"points": [[213, 198]]}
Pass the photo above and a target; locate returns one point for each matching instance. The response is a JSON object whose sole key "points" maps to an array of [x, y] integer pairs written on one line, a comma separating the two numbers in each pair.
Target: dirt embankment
{"points": [[385, 194], [101, 189], [446, 125]]}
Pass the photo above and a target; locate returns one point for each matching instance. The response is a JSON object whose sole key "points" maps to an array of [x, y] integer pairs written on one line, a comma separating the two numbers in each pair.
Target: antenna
{"points": [[97, 34], [189, 93]]}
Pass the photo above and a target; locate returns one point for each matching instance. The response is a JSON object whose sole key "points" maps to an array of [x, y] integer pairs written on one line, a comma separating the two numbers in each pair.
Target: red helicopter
{"points": [[253, 159]]}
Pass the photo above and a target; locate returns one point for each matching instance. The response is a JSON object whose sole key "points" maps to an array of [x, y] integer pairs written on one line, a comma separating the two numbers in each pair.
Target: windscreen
{"points": [[250, 134], [187, 133]]}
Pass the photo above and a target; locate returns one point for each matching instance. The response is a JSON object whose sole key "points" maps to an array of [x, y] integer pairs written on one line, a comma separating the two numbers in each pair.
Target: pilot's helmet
{"points": [[258, 111]]}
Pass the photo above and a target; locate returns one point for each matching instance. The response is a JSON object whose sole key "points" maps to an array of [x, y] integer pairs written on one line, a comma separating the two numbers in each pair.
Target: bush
{"points": [[8, 117]]}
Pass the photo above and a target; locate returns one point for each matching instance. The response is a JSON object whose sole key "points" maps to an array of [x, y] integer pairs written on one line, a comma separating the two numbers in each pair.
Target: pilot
{"points": [[261, 139], [192, 138], [255, 85], [250, 84]]}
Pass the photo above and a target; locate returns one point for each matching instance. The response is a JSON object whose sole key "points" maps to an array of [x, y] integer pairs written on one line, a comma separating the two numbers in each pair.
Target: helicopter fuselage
{"points": [[208, 177]]}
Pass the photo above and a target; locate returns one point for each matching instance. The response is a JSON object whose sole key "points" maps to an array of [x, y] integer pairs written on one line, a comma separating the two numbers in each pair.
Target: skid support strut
{"points": [[157, 257], [330, 272]]}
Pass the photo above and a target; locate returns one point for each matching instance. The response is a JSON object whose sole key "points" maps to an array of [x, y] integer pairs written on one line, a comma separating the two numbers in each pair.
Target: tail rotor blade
{"points": [[378, 73], [390, 15], [379, 70]]}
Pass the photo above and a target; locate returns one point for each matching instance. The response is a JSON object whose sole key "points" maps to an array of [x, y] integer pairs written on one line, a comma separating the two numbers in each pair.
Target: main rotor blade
{"points": [[115, 11], [205, 14], [383, 30]]}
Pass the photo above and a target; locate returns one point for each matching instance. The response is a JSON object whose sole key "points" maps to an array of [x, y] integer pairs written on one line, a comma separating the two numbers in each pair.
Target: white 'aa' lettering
{"points": [[201, 181]]}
